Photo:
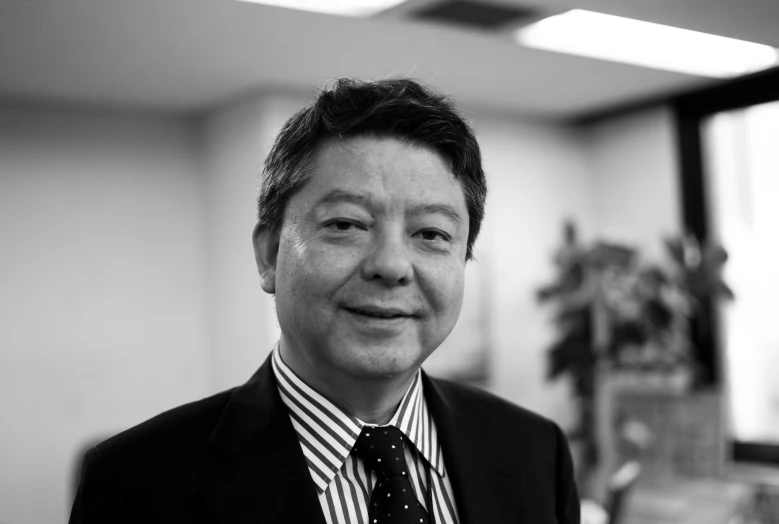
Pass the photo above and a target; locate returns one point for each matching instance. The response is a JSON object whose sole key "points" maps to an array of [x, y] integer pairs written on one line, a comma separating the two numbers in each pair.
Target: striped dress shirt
{"points": [[344, 482]]}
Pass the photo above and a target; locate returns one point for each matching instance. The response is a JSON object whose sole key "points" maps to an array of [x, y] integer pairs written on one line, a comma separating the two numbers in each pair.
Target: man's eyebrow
{"points": [[438, 208], [339, 196]]}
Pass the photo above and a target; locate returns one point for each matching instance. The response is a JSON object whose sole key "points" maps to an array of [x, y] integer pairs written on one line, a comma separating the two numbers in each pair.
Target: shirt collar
{"points": [[327, 433]]}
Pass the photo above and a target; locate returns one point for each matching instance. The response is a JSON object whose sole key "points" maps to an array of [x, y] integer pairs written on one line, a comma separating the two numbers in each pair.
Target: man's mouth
{"points": [[377, 312]]}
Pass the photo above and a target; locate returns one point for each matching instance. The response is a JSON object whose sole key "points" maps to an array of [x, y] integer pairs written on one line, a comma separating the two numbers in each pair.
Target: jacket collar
{"points": [[481, 485], [262, 475]]}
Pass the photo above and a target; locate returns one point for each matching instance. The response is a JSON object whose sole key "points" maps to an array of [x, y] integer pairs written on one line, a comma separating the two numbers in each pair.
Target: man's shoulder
{"points": [[182, 427], [508, 438]]}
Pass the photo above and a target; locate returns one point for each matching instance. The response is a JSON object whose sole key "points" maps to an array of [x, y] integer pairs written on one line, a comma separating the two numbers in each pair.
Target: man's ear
{"points": [[266, 249]]}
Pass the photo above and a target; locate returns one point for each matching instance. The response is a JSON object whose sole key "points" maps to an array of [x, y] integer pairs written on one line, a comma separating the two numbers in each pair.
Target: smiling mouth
{"points": [[380, 315]]}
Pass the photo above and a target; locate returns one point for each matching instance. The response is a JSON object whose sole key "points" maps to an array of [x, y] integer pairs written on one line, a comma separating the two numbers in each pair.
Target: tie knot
{"points": [[382, 449]]}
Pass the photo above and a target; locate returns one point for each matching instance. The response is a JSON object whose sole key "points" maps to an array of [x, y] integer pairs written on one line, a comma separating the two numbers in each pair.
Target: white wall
{"points": [[233, 142], [102, 308], [537, 179], [615, 178], [632, 164]]}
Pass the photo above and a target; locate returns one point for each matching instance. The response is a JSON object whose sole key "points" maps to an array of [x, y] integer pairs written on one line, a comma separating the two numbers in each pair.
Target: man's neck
{"points": [[371, 408], [372, 400]]}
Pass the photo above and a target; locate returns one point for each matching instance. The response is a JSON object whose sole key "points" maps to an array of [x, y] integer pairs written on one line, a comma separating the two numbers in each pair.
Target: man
{"points": [[371, 200]]}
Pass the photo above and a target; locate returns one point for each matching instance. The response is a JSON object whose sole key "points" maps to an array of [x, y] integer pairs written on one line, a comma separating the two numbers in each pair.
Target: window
{"points": [[741, 163], [728, 140]]}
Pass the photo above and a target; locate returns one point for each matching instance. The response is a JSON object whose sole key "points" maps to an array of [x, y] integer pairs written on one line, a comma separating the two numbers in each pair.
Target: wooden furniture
{"points": [[688, 439], [697, 501], [687, 433], [682, 471]]}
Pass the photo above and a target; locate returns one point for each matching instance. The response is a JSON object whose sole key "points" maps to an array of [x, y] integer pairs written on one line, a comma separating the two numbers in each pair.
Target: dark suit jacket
{"points": [[235, 457]]}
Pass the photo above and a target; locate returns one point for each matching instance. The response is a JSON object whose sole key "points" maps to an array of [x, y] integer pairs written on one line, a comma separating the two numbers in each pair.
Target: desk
{"points": [[686, 502]]}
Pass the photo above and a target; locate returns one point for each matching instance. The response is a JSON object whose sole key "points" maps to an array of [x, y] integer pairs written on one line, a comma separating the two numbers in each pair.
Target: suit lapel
{"points": [[483, 491], [261, 474], [258, 472]]}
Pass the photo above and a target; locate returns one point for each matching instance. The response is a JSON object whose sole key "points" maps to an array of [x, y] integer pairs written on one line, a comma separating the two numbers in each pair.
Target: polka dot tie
{"points": [[393, 500]]}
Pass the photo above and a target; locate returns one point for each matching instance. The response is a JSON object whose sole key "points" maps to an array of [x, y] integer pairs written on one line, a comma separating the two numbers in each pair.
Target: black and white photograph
{"points": [[389, 262]]}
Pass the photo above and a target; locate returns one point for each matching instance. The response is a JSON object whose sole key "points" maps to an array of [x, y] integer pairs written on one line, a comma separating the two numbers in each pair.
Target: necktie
{"points": [[393, 500]]}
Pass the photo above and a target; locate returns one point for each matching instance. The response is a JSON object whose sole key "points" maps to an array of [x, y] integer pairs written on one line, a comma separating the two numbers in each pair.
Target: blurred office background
{"points": [[131, 137]]}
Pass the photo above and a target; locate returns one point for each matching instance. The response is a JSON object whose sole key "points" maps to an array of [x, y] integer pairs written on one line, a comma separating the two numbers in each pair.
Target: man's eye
{"points": [[341, 225], [433, 235]]}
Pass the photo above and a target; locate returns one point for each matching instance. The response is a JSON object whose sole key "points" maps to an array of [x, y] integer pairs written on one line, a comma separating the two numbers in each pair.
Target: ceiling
{"points": [[185, 56]]}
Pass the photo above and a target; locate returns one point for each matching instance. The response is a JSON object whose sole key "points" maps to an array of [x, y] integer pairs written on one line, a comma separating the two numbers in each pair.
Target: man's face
{"points": [[370, 264]]}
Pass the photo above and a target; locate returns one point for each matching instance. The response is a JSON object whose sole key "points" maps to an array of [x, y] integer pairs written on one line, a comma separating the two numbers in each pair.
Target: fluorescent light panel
{"points": [[618, 39], [334, 7]]}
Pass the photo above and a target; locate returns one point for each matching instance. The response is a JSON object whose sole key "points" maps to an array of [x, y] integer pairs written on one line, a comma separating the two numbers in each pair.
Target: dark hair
{"points": [[396, 108]]}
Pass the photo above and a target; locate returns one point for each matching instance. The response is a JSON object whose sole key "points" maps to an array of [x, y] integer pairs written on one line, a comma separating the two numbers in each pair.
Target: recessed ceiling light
{"points": [[618, 39], [334, 7]]}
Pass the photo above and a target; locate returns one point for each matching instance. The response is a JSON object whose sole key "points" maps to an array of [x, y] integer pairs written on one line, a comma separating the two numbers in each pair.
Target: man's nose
{"points": [[389, 260]]}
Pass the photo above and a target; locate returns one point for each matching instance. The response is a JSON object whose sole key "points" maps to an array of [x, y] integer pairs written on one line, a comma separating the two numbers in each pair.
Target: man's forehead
{"points": [[332, 146]]}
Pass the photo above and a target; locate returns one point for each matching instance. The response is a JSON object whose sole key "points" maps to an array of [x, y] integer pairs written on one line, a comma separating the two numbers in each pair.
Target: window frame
{"points": [[689, 112]]}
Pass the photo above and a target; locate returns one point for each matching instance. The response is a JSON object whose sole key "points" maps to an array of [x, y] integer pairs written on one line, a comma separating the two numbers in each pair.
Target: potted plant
{"points": [[618, 314]]}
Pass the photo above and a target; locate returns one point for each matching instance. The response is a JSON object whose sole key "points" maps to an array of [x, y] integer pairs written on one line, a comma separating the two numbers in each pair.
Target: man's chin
{"points": [[385, 367]]}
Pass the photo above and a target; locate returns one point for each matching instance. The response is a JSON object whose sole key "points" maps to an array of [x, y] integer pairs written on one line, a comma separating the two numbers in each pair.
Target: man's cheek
{"points": [[336, 262], [445, 285]]}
